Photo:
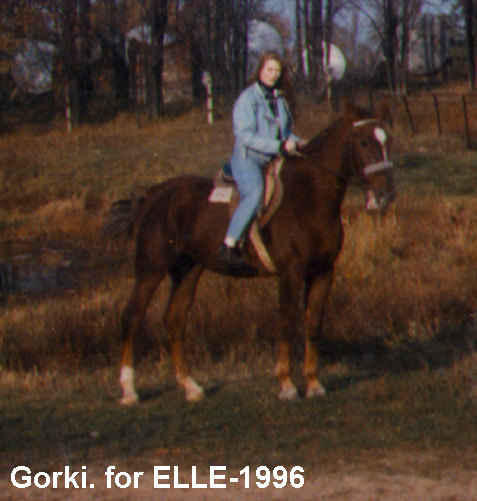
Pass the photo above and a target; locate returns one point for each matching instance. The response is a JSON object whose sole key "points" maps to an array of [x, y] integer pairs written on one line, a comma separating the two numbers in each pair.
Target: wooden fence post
{"points": [[207, 82], [438, 117], [68, 107], [409, 116], [466, 121]]}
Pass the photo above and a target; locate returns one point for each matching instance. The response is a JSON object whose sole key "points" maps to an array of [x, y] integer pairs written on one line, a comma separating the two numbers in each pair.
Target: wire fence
{"points": [[444, 114]]}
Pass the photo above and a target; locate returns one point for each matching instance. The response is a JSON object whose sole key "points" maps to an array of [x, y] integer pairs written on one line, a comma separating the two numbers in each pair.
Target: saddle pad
{"points": [[225, 190], [221, 194]]}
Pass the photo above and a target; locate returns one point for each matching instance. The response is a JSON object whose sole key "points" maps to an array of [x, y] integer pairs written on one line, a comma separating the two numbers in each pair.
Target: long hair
{"points": [[283, 83]]}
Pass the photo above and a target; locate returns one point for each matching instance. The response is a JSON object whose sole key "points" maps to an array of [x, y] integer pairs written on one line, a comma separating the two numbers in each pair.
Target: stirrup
{"points": [[227, 174], [233, 261]]}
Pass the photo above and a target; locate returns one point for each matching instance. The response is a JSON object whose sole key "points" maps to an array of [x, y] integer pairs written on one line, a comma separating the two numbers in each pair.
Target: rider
{"points": [[262, 127]]}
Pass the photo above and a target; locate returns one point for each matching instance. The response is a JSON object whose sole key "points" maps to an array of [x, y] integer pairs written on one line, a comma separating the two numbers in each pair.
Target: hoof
{"points": [[315, 390], [289, 393], [193, 391], [129, 399], [195, 396]]}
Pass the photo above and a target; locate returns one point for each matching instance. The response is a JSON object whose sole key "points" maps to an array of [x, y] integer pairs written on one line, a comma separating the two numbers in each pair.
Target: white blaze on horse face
{"points": [[381, 136]]}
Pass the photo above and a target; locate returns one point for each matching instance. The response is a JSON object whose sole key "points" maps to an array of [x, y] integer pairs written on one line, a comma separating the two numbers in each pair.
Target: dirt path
{"points": [[378, 479]]}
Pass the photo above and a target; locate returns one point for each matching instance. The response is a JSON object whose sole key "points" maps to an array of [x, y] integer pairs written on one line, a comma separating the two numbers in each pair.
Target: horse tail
{"points": [[120, 219]]}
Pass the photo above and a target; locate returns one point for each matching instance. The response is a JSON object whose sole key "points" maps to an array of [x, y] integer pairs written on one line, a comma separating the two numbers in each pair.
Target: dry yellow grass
{"points": [[409, 275], [404, 298]]}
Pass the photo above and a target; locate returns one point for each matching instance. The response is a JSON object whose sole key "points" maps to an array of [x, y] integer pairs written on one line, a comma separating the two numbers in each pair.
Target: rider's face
{"points": [[270, 72]]}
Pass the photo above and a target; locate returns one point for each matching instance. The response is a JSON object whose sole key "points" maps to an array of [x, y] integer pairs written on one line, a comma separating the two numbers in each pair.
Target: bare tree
{"points": [[299, 44], [315, 22], [470, 19], [409, 12], [159, 24], [464, 14], [313, 13], [391, 22], [84, 54], [68, 61], [404, 46], [217, 32]]}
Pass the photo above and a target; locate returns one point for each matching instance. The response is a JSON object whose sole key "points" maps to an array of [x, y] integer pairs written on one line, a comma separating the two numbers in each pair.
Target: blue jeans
{"points": [[249, 178]]}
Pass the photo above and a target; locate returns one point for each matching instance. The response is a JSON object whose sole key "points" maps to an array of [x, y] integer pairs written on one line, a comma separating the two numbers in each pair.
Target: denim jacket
{"points": [[256, 129]]}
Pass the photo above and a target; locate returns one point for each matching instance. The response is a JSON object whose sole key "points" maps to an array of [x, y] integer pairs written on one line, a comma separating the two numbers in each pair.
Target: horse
{"points": [[178, 231]]}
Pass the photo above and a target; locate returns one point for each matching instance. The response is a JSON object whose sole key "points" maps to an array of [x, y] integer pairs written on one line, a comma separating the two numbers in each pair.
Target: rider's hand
{"points": [[290, 147]]}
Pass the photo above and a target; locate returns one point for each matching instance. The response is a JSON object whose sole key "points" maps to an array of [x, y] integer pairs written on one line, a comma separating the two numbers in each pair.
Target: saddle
{"points": [[225, 191]]}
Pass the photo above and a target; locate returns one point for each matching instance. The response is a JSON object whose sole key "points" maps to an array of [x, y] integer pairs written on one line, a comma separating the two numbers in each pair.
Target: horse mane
{"points": [[352, 113], [316, 142]]}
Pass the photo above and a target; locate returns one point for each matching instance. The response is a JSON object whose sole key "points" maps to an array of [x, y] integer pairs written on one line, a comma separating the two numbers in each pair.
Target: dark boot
{"points": [[232, 260]]}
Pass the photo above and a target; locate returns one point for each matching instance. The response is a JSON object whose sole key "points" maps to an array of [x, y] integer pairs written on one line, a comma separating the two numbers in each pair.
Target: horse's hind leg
{"points": [[317, 289], [144, 288], [185, 276]]}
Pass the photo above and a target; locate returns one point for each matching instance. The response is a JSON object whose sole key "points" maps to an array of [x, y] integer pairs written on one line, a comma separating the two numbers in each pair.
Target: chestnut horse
{"points": [[178, 232]]}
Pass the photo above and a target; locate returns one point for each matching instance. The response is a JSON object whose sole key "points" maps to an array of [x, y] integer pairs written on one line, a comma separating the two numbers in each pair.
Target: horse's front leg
{"points": [[289, 298], [317, 289]]}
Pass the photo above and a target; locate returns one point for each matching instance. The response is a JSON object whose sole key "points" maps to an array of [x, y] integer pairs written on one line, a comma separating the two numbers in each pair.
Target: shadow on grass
{"points": [[149, 394], [377, 356]]}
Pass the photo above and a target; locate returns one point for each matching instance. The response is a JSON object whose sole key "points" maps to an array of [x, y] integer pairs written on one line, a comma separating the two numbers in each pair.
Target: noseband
{"points": [[375, 167]]}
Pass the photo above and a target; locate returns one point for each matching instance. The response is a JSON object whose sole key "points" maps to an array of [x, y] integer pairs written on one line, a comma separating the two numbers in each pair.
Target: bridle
{"points": [[375, 167], [372, 168]]}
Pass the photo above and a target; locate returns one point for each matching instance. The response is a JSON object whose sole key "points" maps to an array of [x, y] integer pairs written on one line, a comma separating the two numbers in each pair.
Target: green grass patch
{"points": [[77, 419]]}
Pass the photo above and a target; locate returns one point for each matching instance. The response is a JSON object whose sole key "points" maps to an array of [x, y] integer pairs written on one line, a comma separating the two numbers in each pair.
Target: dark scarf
{"points": [[269, 93]]}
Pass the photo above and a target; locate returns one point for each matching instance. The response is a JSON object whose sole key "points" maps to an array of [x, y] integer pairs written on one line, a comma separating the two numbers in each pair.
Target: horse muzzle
{"points": [[376, 203], [381, 191]]}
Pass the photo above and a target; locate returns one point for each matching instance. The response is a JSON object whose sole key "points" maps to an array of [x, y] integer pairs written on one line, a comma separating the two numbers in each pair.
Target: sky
{"points": [[286, 8]]}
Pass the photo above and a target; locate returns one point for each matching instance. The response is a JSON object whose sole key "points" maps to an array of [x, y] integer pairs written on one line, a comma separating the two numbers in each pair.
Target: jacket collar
{"points": [[276, 92]]}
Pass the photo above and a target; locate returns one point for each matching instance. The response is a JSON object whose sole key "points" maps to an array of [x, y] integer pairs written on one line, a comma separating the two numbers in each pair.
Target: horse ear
{"points": [[384, 113]]}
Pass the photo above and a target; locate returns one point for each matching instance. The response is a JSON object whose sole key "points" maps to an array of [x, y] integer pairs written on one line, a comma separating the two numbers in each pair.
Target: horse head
{"points": [[370, 150]]}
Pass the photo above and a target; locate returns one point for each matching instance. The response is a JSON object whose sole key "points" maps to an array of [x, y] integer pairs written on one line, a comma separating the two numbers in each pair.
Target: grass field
{"points": [[399, 352]]}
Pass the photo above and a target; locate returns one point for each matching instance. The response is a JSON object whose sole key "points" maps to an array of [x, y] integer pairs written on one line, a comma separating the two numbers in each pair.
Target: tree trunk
{"points": [[159, 24], [85, 81], [443, 49], [404, 50], [313, 24], [299, 46], [196, 72], [390, 26], [469, 12], [328, 35], [474, 51], [220, 76], [316, 40], [69, 63]]}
